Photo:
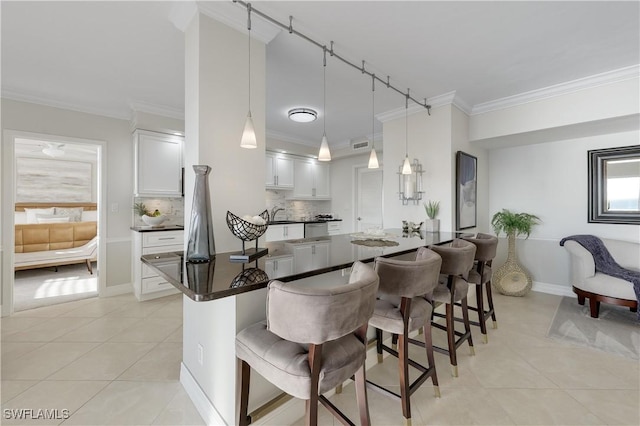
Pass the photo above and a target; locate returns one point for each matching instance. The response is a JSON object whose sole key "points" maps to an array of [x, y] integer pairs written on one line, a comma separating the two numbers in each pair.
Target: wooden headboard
{"points": [[85, 206]]}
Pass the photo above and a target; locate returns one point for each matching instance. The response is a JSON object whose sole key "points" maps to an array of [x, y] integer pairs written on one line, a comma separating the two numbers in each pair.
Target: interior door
{"points": [[368, 198]]}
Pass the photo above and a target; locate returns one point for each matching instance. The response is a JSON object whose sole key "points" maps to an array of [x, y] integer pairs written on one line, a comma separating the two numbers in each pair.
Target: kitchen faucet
{"points": [[275, 211]]}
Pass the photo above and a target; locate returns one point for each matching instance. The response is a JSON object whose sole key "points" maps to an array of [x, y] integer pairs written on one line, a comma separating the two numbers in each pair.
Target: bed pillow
{"points": [[31, 213], [74, 213], [52, 218]]}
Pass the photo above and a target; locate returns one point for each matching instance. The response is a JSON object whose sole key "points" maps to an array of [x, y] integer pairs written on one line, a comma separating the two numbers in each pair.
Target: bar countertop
{"points": [[222, 278]]}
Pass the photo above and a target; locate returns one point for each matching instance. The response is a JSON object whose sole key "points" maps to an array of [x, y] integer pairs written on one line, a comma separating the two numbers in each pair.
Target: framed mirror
{"points": [[614, 185]]}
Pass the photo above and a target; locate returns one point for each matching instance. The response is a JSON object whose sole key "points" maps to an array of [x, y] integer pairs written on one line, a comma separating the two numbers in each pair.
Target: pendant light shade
{"points": [[324, 154], [406, 166], [249, 139], [249, 134], [373, 159]]}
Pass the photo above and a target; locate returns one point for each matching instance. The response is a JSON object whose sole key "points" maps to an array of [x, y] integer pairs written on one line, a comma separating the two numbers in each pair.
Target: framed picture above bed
{"points": [[43, 180]]}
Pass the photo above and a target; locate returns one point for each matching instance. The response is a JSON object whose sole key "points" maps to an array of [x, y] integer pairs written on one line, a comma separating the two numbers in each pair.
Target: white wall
{"points": [[550, 181]]}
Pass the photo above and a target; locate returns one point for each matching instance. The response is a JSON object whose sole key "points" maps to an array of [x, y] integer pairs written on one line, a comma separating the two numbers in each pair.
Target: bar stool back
{"points": [[312, 341], [399, 310]]}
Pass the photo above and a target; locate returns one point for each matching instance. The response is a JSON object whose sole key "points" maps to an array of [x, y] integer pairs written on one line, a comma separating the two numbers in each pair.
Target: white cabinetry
{"points": [[307, 257], [146, 283], [279, 171], [279, 267], [158, 164], [312, 180], [334, 228], [284, 232]]}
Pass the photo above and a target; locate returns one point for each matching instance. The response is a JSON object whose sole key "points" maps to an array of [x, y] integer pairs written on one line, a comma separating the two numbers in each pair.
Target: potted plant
{"points": [[154, 219], [432, 224], [511, 279]]}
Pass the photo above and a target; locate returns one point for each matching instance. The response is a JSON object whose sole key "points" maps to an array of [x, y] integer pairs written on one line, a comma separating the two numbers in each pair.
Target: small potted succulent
{"points": [[432, 224]]}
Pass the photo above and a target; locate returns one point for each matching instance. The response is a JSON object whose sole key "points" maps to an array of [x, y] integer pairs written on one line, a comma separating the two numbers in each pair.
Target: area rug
{"points": [[616, 330]]}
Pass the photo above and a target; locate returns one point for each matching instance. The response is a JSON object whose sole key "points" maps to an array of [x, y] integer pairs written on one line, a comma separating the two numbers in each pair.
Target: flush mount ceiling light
{"points": [[302, 115]]}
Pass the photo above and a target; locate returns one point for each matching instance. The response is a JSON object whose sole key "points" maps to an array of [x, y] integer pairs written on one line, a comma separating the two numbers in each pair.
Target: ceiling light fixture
{"points": [[302, 115], [373, 157], [406, 167], [249, 134], [324, 154]]}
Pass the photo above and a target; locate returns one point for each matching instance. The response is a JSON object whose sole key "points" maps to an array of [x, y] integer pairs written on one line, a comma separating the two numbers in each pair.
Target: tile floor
{"points": [[116, 361]]}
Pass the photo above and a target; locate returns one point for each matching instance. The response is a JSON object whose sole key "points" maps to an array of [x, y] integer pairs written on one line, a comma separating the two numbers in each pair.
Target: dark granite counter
{"points": [[222, 278], [149, 228]]}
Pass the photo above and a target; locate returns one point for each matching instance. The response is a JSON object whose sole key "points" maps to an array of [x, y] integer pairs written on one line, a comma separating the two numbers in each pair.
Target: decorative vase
{"points": [[201, 246], [511, 279], [432, 225]]}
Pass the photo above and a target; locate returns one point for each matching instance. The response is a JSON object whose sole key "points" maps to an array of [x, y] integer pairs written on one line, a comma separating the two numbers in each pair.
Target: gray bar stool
{"points": [[313, 340], [480, 275], [457, 261], [399, 310]]}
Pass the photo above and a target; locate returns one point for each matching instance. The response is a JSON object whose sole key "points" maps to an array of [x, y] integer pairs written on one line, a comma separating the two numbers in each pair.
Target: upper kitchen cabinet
{"points": [[158, 164], [279, 171], [312, 180]]}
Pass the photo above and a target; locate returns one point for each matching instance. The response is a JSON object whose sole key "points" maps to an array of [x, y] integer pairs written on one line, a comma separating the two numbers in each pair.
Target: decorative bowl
{"points": [[244, 230], [153, 220]]}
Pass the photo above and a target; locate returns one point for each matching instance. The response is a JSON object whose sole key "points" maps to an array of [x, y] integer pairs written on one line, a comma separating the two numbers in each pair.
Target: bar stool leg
{"points": [[451, 338], [480, 305], [243, 417], [361, 396], [467, 325], [315, 357], [490, 302], [379, 344], [428, 341], [404, 378]]}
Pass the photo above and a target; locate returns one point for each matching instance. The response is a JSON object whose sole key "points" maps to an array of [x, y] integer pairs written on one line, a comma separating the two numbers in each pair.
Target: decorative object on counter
{"points": [[249, 276], [411, 234], [372, 234], [201, 246], [511, 279], [375, 243], [411, 227], [248, 228], [432, 224], [410, 185], [466, 178], [154, 218], [200, 276]]}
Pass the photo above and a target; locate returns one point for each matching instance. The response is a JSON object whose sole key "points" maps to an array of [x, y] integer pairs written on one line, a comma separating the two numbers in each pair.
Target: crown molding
{"points": [[162, 110], [596, 80], [20, 96], [235, 16]]}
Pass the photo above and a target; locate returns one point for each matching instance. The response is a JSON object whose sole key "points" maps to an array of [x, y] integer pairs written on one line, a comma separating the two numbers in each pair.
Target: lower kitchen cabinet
{"points": [[307, 257], [279, 267], [291, 231], [147, 284]]}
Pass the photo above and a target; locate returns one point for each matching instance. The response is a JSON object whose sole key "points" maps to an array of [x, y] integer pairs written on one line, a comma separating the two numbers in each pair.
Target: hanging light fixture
{"points": [[249, 134], [373, 157], [324, 154], [406, 166]]}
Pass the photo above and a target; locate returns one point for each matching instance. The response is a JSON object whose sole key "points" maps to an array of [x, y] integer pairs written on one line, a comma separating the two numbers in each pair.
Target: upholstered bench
{"points": [[599, 287]]}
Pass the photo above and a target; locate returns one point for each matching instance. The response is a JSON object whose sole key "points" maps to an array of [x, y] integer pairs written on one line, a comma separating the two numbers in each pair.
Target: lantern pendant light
{"points": [[324, 154], [373, 157], [249, 134], [406, 166]]}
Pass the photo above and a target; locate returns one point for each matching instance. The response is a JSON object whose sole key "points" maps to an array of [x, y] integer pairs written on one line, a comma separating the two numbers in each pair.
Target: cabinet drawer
{"points": [[153, 284], [162, 249], [162, 238]]}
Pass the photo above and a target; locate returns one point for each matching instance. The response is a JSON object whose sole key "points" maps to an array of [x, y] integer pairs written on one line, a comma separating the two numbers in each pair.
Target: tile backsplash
{"points": [[295, 209], [172, 208]]}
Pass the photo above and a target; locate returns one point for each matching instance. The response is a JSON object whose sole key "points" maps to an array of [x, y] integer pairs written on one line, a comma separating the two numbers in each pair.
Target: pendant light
{"points": [[324, 154], [373, 157], [249, 134], [406, 167]]}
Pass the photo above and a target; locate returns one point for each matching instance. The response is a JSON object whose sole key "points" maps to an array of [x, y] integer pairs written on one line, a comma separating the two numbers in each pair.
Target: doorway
{"points": [[53, 192], [369, 201]]}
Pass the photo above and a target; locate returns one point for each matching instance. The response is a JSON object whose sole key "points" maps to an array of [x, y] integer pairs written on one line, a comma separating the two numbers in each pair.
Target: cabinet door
{"points": [[270, 170], [284, 172], [320, 256], [294, 232], [274, 233], [322, 181], [303, 258], [158, 163], [277, 268], [304, 176]]}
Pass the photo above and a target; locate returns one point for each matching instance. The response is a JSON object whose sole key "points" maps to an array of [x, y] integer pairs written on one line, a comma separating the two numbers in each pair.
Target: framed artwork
{"points": [[43, 180], [466, 190]]}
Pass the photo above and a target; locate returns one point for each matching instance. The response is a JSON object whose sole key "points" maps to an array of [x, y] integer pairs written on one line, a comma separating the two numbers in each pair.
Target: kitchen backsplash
{"points": [[295, 209], [173, 208]]}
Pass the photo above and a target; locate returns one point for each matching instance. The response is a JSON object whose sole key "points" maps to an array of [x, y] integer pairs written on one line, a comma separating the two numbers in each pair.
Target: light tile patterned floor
{"points": [[116, 361]]}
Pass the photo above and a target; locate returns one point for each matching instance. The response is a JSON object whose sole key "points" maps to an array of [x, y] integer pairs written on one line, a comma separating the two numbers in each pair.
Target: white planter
{"points": [[432, 225]]}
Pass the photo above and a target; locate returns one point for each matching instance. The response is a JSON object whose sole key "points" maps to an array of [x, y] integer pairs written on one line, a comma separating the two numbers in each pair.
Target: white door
{"points": [[368, 198]]}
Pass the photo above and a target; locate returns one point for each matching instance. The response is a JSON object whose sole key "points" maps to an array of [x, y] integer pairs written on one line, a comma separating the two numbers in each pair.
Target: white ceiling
{"points": [[110, 57]]}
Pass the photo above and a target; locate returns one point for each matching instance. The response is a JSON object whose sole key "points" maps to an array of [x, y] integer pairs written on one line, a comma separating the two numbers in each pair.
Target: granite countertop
{"points": [[292, 221], [148, 228], [220, 277]]}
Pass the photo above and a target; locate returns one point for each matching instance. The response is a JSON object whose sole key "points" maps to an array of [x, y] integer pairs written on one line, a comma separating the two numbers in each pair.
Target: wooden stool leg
{"points": [[594, 306], [403, 361], [361, 396], [428, 343], [379, 344], [243, 416], [467, 325], [394, 342], [490, 303], [581, 300], [315, 358], [480, 305], [451, 338]]}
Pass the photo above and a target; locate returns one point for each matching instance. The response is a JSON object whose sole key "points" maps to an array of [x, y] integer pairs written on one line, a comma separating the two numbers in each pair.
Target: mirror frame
{"points": [[597, 187]]}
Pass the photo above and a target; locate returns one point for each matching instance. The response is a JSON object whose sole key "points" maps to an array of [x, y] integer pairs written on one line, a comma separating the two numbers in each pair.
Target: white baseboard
{"points": [[205, 408], [560, 290], [117, 290]]}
